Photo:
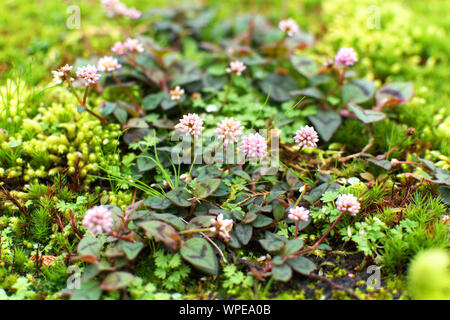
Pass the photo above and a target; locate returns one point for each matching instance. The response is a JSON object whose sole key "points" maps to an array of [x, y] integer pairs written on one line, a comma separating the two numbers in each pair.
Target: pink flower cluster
{"points": [[306, 137], [108, 64], [89, 74], [236, 67], [346, 56], [229, 130], [98, 220], [190, 124], [130, 45], [117, 8], [176, 93], [298, 214], [222, 227], [288, 26], [348, 203], [60, 75], [254, 145]]}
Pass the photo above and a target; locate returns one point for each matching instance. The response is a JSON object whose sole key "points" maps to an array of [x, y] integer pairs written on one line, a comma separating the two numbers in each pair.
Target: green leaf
{"points": [[179, 197], [157, 203], [304, 65], [444, 194], [89, 290], [205, 188], [357, 91], [89, 246], [312, 92], [262, 221], [199, 253], [200, 222], [272, 242], [117, 280], [130, 249], [108, 108], [394, 94], [385, 164], [278, 211], [279, 86], [302, 265], [282, 272], [161, 231], [366, 116], [292, 246], [152, 101], [326, 123], [80, 109], [244, 233], [171, 219]]}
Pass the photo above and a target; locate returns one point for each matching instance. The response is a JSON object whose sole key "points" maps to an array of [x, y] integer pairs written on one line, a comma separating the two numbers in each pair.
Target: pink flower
{"points": [[298, 214], [236, 67], [98, 220], [176, 93], [229, 130], [89, 74], [108, 64], [306, 137], [254, 145], [190, 124], [346, 56], [118, 48], [222, 227], [134, 45], [348, 203], [288, 26], [133, 13], [60, 75]]}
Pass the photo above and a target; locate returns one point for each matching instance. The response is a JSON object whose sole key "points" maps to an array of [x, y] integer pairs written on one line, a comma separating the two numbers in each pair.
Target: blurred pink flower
{"points": [[346, 56], [60, 75], [306, 137], [134, 45], [288, 26], [118, 48], [98, 220], [236, 67], [89, 74], [108, 64], [176, 93]]}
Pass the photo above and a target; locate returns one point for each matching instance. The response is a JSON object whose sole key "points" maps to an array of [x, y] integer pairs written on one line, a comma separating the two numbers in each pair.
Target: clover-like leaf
{"points": [[292, 246], [366, 116], [161, 231], [89, 290], [157, 203], [199, 253], [394, 94], [171, 219], [179, 197], [244, 233], [116, 280], [205, 188], [357, 91], [302, 265], [304, 65], [279, 86], [273, 242], [282, 272], [89, 246], [326, 123], [131, 249]]}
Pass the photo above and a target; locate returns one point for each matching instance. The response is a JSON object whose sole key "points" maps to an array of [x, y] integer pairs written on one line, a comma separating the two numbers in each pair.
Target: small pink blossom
{"points": [[222, 227], [98, 220], [229, 131], [89, 74], [348, 203], [254, 145], [134, 45], [176, 93], [306, 137], [119, 48], [346, 56], [298, 214], [133, 13], [60, 75], [288, 26], [190, 124], [236, 67], [108, 64]]}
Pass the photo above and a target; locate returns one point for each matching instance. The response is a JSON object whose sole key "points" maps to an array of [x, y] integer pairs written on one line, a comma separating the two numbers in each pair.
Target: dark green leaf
{"points": [[179, 196], [89, 290], [205, 188], [117, 280], [302, 265], [292, 246], [304, 65], [366, 116], [357, 91], [262, 221], [161, 231], [244, 233], [326, 123], [282, 272], [89, 246], [157, 203], [200, 254]]}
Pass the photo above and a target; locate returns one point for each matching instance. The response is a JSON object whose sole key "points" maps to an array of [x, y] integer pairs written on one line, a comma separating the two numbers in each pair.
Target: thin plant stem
{"points": [[129, 95], [230, 85]]}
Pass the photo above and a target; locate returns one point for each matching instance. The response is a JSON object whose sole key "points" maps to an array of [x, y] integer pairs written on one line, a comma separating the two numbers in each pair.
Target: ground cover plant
{"points": [[194, 153]]}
